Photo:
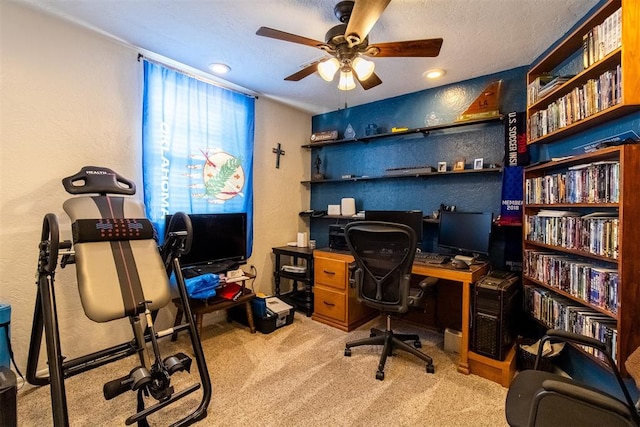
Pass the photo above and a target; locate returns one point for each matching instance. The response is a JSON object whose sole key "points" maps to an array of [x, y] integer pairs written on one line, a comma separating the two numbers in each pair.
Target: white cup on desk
{"points": [[303, 240]]}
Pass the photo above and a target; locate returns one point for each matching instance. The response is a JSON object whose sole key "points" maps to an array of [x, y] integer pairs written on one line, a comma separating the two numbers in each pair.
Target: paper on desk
{"points": [[236, 279]]}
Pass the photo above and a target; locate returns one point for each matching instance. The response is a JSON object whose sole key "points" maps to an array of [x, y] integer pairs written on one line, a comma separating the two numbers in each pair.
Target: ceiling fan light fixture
{"points": [[327, 69], [434, 74], [346, 80], [219, 68], [363, 68]]}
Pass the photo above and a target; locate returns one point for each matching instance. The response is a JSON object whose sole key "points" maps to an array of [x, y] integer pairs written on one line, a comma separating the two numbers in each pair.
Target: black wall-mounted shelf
{"points": [[416, 175], [424, 131], [426, 219]]}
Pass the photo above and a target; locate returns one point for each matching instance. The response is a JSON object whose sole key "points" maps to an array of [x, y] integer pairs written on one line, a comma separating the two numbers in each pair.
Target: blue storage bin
{"points": [[259, 306], [5, 319]]}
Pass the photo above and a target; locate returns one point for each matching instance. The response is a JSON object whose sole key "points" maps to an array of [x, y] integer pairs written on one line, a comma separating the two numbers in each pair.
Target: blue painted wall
{"points": [[469, 192]]}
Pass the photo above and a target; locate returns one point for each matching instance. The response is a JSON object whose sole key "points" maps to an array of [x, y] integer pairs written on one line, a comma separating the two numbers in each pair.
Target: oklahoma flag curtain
{"points": [[197, 147]]}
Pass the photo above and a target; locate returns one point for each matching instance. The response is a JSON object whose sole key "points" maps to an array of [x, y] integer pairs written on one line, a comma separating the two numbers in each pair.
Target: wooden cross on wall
{"points": [[278, 152]]}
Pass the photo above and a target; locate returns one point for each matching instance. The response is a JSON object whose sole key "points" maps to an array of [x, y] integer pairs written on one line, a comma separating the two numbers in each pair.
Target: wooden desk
{"points": [[467, 278], [499, 371]]}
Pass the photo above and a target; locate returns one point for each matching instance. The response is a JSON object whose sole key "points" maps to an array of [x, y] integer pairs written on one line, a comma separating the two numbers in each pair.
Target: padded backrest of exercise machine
{"points": [[117, 260]]}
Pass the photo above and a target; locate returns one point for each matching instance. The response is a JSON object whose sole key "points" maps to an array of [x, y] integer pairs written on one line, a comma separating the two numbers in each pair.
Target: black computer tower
{"points": [[336, 237], [494, 316]]}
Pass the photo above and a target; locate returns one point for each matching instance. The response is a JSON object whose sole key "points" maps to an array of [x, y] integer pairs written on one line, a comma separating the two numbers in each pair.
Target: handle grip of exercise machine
{"points": [[116, 387]]}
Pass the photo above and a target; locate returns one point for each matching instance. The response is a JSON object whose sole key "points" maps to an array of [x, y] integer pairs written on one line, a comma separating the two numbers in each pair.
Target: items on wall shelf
{"points": [[423, 130], [486, 105], [401, 172]]}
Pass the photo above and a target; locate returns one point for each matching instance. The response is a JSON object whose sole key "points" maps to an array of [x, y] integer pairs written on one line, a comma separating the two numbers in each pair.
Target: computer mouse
{"points": [[459, 264]]}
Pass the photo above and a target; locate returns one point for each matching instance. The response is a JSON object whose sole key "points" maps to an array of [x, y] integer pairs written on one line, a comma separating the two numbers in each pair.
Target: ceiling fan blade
{"points": [[306, 71], [372, 81], [288, 37], [412, 48], [364, 16]]}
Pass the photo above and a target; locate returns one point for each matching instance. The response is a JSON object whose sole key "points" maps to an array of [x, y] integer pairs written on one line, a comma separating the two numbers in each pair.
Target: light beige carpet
{"points": [[295, 376]]}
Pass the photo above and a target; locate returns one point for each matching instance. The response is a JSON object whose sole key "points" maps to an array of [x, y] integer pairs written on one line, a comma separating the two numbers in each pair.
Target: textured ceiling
{"points": [[480, 37]]}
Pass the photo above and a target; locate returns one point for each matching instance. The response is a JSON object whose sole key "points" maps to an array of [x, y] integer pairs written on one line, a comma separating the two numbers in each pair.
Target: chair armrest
{"points": [[586, 395], [560, 335], [424, 285], [427, 282]]}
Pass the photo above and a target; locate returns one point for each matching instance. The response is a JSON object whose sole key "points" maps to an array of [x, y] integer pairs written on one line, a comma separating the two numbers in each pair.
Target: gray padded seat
{"points": [[115, 277]]}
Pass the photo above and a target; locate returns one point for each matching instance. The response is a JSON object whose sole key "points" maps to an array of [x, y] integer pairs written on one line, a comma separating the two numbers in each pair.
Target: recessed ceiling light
{"points": [[434, 74], [219, 68]]}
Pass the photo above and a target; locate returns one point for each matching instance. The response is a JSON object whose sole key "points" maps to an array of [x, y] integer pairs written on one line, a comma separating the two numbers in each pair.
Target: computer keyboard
{"points": [[430, 258]]}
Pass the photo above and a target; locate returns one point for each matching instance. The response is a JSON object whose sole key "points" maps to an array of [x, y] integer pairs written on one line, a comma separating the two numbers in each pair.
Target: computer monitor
{"points": [[217, 238], [465, 233], [412, 219]]}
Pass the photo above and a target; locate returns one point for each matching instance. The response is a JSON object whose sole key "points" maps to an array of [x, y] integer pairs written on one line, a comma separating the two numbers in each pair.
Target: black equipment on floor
{"points": [[121, 273], [8, 396], [540, 398], [384, 253], [495, 301]]}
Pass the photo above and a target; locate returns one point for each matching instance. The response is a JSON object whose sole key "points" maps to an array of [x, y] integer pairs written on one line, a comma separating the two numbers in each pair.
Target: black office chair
{"points": [[540, 398], [384, 255]]}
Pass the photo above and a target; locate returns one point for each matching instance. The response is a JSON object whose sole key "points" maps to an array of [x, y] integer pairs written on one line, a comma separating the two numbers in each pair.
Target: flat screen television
{"points": [[411, 218], [217, 239], [465, 233]]}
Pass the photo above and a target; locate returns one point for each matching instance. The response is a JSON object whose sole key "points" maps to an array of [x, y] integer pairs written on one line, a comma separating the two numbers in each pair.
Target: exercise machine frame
{"points": [[45, 319]]}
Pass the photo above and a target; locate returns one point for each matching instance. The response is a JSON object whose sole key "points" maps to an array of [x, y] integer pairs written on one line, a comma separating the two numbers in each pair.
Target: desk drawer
{"points": [[330, 272], [329, 303]]}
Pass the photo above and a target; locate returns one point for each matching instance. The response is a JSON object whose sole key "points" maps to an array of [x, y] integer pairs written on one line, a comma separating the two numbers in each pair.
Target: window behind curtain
{"points": [[197, 143]]}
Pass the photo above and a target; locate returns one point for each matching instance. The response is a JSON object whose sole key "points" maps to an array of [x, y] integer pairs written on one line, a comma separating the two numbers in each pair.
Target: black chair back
{"points": [[384, 254]]}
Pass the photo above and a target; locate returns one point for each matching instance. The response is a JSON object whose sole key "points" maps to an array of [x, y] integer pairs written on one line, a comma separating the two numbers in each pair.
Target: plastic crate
{"points": [[265, 324], [527, 360]]}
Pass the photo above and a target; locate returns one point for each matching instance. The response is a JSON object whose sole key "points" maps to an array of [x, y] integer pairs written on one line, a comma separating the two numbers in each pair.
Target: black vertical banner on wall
{"points": [[511, 209], [516, 156], [511, 214], [515, 140]]}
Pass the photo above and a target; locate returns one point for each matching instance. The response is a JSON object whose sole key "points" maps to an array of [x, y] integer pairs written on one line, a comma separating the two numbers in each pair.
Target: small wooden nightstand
{"points": [[200, 307]]}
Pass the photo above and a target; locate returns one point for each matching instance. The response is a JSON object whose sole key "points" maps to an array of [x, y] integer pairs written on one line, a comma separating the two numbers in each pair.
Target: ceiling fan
{"points": [[348, 42]]}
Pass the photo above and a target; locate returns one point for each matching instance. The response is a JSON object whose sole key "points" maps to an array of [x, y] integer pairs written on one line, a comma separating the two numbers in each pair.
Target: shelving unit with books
{"points": [[606, 46], [580, 246]]}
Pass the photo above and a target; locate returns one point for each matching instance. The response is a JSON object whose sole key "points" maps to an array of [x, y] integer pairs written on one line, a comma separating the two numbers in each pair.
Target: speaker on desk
{"points": [[494, 316]]}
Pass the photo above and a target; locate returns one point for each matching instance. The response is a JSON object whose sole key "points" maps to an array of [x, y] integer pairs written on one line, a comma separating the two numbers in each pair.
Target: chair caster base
{"points": [[417, 344], [347, 352], [380, 375], [430, 369]]}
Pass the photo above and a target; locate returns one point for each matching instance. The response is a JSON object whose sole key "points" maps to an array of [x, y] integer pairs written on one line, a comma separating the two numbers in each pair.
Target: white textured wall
{"points": [[70, 98], [278, 194]]}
